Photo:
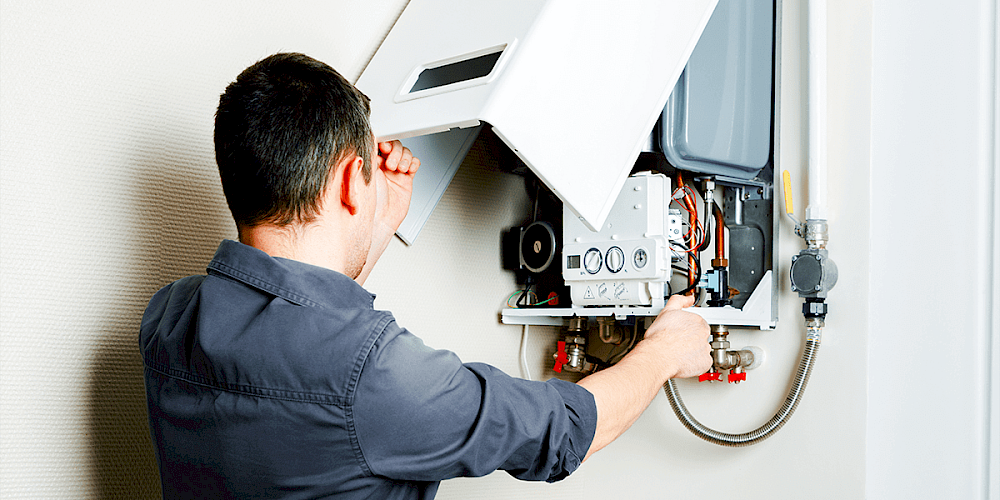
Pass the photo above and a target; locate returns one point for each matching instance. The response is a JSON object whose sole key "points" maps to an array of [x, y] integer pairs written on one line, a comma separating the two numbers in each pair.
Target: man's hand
{"points": [[393, 177], [682, 338], [395, 167]]}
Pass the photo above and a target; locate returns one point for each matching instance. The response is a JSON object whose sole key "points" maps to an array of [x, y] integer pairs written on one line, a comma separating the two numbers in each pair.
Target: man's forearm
{"points": [[675, 345], [623, 391]]}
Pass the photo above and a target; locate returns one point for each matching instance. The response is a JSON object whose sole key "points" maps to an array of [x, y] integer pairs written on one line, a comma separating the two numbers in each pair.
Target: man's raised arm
{"points": [[393, 175]]}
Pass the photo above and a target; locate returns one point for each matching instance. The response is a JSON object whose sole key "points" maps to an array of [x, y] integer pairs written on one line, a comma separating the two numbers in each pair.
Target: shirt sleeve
{"points": [[422, 415]]}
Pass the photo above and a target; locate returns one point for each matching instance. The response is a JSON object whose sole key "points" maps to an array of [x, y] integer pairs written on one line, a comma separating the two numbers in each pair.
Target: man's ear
{"points": [[352, 182]]}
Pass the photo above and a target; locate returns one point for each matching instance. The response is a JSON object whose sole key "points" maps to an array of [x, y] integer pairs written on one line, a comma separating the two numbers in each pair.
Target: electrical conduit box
{"points": [[572, 87]]}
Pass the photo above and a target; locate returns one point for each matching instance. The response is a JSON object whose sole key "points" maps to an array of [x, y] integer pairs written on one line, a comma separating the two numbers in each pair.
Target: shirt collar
{"points": [[294, 281]]}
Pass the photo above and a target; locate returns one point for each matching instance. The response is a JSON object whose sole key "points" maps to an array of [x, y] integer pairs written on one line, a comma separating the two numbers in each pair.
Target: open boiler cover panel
{"points": [[544, 75]]}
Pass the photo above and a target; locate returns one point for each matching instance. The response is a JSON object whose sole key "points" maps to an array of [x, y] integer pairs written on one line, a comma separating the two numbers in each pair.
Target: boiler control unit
{"points": [[627, 262]]}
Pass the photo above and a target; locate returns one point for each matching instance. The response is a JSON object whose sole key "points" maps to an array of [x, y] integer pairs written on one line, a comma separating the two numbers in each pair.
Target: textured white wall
{"points": [[108, 190], [934, 342]]}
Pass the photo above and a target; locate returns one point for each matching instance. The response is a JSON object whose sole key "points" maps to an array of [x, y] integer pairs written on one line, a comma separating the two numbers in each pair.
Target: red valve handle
{"points": [[561, 358], [737, 377], [709, 376]]}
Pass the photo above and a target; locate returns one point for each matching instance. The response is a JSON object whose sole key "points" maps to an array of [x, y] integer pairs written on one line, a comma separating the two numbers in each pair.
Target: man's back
{"points": [[272, 378], [249, 391]]}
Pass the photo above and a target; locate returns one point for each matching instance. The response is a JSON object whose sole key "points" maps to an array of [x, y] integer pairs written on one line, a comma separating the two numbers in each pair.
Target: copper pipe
{"points": [[720, 233]]}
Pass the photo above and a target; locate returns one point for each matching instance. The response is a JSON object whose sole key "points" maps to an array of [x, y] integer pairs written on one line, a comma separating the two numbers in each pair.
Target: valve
{"points": [[737, 362], [560, 356], [737, 375], [571, 355]]}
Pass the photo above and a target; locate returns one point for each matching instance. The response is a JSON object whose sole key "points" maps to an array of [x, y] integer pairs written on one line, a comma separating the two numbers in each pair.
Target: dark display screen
{"points": [[456, 72]]}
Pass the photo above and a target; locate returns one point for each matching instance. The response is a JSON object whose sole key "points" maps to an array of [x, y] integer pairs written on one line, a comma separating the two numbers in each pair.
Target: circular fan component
{"points": [[538, 246]]}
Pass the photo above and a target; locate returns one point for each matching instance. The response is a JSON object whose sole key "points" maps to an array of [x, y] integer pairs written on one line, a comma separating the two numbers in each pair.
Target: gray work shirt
{"points": [[271, 378]]}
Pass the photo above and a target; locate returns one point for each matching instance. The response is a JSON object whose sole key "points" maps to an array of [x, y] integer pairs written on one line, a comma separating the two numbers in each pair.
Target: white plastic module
{"points": [[572, 87], [627, 262]]}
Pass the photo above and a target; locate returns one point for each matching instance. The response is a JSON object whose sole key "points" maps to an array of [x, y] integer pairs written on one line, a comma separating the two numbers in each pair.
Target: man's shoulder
{"points": [[184, 286], [244, 335], [180, 290]]}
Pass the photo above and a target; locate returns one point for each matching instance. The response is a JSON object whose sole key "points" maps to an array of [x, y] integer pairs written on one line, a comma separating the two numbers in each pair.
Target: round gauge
{"points": [[592, 261], [639, 258], [615, 259]]}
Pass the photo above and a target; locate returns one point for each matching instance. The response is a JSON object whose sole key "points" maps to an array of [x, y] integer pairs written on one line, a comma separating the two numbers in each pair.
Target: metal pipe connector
{"points": [[722, 357], [608, 330], [817, 233]]}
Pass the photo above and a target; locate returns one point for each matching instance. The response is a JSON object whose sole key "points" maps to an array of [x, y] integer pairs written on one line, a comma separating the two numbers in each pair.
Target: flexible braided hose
{"points": [[763, 432]]}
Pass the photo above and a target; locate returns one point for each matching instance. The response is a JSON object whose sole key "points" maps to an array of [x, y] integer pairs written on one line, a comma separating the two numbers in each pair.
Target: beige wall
{"points": [[108, 190]]}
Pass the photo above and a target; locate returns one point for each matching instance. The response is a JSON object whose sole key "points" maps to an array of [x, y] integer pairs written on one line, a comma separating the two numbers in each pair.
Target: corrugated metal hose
{"points": [[764, 431]]}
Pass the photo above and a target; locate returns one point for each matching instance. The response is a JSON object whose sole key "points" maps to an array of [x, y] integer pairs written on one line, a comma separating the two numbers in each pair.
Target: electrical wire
{"points": [[529, 299], [546, 301], [697, 271], [522, 295], [525, 295], [696, 238], [707, 237]]}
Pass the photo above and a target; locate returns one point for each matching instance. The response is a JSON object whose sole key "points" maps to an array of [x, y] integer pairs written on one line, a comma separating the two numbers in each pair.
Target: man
{"points": [[274, 377]]}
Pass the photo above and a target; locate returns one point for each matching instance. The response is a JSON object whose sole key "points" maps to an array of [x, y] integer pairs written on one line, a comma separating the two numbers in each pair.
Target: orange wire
{"points": [[694, 223], [691, 236]]}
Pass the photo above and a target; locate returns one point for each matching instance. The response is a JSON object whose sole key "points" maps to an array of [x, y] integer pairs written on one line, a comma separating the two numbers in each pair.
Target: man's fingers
{"points": [[392, 161], [405, 162], [678, 302]]}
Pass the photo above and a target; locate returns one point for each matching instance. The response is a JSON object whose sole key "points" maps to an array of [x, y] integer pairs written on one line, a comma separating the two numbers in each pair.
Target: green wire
{"points": [[511, 296]]}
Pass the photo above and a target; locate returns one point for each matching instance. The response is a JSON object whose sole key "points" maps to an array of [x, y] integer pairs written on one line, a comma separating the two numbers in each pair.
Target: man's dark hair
{"points": [[280, 128]]}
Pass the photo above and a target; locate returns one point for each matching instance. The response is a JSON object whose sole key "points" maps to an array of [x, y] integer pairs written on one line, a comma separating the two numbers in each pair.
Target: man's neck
{"points": [[312, 244]]}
